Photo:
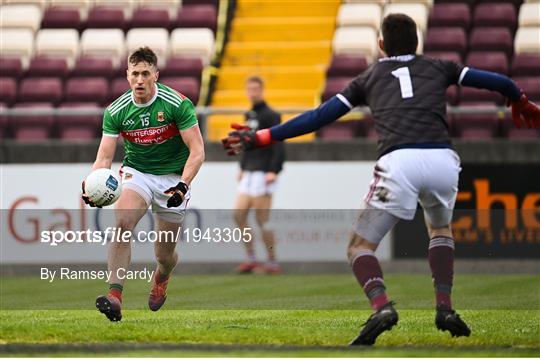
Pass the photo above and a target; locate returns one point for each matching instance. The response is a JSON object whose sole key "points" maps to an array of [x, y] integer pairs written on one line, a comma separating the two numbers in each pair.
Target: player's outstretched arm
{"points": [[244, 139], [104, 158], [523, 110]]}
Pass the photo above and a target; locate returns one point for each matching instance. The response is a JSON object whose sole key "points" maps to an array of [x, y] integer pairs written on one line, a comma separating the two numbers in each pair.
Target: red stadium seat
{"points": [[86, 89], [445, 55], [469, 3], [492, 39], [32, 128], [530, 86], [473, 95], [117, 87], [11, 67], [490, 61], [93, 66], [40, 89], [346, 66], [509, 130], [106, 18], [150, 17], [84, 127], [475, 126], [446, 39], [183, 66], [342, 130], [495, 14], [450, 15], [58, 17], [334, 85], [526, 64], [4, 130], [43, 66], [196, 16], [8, 89], [187, 86]]}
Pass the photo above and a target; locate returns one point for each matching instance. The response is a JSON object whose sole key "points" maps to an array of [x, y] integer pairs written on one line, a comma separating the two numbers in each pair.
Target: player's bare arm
{"points": [[193, 139]]}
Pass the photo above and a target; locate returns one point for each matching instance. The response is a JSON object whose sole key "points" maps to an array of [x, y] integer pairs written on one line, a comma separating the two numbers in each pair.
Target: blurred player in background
{"points": [[163, 152], [406, 95], [258, 175]]}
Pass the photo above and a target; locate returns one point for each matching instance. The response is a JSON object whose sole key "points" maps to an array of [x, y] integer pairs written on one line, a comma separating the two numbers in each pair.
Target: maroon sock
{"points": [[369, 275], [441, 262]]}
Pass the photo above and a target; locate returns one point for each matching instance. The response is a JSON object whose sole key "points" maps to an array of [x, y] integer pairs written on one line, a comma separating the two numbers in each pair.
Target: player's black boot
{"points": [[110, 306], [447, 319], [383, 319]]}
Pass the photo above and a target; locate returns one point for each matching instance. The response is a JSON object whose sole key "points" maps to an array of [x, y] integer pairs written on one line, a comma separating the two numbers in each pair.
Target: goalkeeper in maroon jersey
{"points": [[416, 164], [163, 153]]}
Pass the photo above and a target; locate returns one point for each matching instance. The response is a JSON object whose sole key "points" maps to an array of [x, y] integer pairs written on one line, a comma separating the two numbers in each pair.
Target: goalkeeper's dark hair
{"points": [[399, 35], [143, 54]]}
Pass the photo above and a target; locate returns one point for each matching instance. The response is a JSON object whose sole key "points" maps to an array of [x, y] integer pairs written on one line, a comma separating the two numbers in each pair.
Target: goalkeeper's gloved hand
{"points": [[245, 139], [178, 193], [525, 112], [86, 199]]}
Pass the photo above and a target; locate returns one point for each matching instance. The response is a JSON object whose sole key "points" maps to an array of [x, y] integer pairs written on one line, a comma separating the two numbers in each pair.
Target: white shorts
{"points": [[253, 183], [151, 187], [402, 178]]}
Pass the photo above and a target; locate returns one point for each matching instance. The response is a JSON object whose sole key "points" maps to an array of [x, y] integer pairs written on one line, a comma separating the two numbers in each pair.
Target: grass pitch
{"points": [[288, 315]]}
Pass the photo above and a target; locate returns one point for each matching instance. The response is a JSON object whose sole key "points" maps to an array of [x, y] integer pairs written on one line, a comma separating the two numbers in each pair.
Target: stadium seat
{"points": [[11, 67], [197, 43], [156, 38], [196, 16], [334, 85], [181, 66], [62, 18], [86, 89], [47, 67], [509, 130], [356, 41], [117, 87], [93, 66], [526, 64], [495, 15], [82, 6], [39, 89], [20, 17], [63, 43], [527, 40], [150, 17], [490, 61], [473, 95], [360, 15], [418, 12], [187, 86], [529, 14], [92, 44], [530, 86], [42, 4], [446, 39], [8, 89], [475, 126], [342, 130], [4, 129], [346, 66], [450, 15], [80, 127], [32, 128], [445, 55], [492, 39], [104, 17], [17, 43], [125, 5], [171, 6]]}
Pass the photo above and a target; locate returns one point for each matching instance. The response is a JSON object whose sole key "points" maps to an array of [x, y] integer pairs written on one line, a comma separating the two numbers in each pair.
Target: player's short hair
{"points": [[255, 79], [399, 35], [143, 54]]}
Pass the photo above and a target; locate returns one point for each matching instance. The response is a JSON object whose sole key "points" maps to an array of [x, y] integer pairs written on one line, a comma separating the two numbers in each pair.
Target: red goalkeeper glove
{"points": [[525, 112], [245, 139]]}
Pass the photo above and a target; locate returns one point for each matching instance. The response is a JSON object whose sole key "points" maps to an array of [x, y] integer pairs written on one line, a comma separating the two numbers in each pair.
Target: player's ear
{"points": [[157, 75], [381, 44]]}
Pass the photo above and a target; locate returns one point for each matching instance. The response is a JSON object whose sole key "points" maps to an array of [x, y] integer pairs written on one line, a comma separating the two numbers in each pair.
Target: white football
{"points": [[103, 186]]}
